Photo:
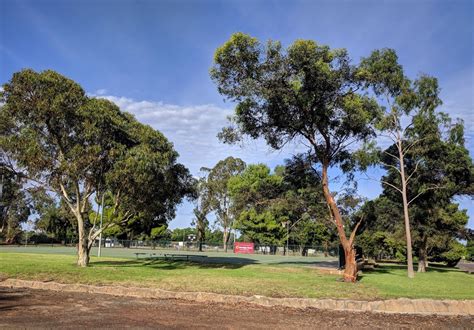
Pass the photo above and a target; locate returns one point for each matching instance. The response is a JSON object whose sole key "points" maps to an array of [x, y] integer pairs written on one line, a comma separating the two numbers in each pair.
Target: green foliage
{"points": [[54, 217], [429, 150], [261, 216], [470, 250], [180, 234], [284, 205], [201, 209], [382, 230], [77, 147], [15, 205], [306, 91], [160, 233], [215, 193], [454, 254]]}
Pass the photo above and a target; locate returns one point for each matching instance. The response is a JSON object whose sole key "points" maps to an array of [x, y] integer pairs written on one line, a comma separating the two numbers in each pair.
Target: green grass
{"points": [[275, 280], [217, 257]]}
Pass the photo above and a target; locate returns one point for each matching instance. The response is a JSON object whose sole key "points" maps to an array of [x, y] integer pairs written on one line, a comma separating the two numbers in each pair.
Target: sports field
{"points": [[211, 257], [275, 276]]}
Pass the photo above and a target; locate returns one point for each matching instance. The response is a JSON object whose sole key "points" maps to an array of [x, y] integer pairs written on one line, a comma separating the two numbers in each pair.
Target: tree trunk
{"points": [[82, 254], [350, 269], [423, 257], [411, 273], [304, 251], [82, 245], [226, 239]]}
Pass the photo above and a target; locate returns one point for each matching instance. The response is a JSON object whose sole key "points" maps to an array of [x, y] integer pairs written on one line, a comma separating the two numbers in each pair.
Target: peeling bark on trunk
{"points": [[350, 270]]}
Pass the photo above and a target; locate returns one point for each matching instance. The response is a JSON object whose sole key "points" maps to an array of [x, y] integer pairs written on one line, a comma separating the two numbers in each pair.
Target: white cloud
{"points": [[193, 130]]}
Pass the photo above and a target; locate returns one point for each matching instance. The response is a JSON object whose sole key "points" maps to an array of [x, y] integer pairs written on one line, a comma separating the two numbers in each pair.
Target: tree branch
{"points": [[422, 192], [391, 185], [404, 150], [353, 233], [392, 166], [392, 155], [384, 182], [416, 167]]}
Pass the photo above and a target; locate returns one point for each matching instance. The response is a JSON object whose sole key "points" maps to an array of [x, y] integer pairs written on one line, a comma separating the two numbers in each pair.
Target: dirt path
{"points": [[40, 308]]}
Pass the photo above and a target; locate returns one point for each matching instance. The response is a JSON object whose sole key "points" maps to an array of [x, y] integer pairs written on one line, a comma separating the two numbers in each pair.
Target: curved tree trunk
{"points": [[350, 270]]}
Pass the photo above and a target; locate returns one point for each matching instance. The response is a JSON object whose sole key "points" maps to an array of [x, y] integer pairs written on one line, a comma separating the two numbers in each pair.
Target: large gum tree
{"points": [[307, 93], [77, 147]]}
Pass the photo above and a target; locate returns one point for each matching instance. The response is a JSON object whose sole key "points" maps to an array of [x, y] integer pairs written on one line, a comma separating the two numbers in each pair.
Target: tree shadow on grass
{"points": [[325, 264], [117, 263], [395, 269], [172, 264]]}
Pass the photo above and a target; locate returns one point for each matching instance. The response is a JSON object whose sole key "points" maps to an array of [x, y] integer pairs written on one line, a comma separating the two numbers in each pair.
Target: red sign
{"points": [[244, 248]]}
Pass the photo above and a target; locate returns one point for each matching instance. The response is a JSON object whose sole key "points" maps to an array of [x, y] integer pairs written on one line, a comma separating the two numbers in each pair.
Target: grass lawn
{"points": [[388, 281]]}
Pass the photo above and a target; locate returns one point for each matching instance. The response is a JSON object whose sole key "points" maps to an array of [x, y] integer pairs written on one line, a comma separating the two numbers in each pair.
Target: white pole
{"points": [[101, 219]]}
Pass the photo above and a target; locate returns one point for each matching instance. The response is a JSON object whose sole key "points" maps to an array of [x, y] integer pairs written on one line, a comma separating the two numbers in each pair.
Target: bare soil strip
{"points": [[32, 308], [398, 306]]}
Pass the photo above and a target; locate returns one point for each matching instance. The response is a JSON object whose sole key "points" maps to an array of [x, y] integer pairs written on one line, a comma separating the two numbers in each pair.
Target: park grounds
{"points": [[277, 277]]}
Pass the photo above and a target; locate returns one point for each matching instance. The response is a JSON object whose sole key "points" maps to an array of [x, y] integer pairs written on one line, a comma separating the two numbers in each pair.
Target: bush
{"points": [[454, 254], [470, 250]]}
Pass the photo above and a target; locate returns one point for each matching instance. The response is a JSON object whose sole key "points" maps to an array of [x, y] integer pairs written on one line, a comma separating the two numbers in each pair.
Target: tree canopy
{"points": [[306, 92], [76, 146]]}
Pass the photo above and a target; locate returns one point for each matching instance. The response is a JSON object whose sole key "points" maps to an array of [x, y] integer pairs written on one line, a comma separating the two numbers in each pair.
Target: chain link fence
{"points": [[328, 250], [292, 250]]}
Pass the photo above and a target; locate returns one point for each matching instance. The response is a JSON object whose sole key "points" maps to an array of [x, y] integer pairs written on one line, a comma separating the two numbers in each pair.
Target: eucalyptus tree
{"points": [[441, 170], [412, 125], [382, 72], [308, 94], [201, 210], [145, 184], [218, 196], [77, 147], [258, 199]]}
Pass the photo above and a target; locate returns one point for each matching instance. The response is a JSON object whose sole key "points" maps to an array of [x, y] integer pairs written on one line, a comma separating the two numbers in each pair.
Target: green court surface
{"points": [[211, 257]]}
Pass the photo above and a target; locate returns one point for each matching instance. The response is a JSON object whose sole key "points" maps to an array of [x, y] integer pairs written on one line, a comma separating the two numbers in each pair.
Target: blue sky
{"points": [[153, 57]]}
